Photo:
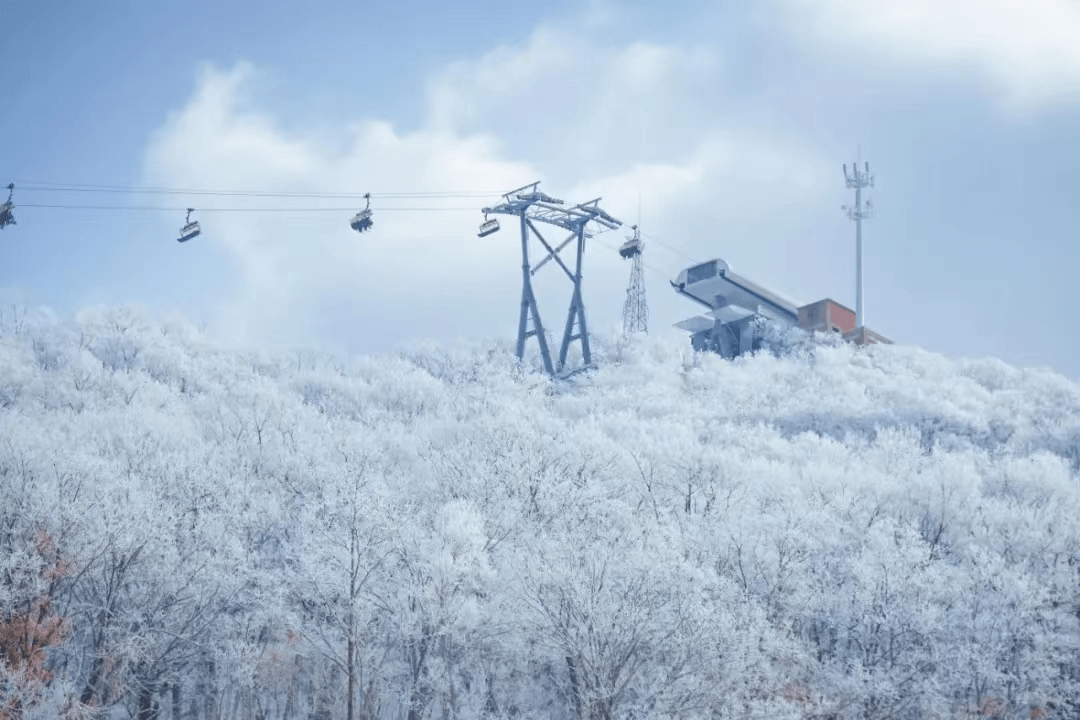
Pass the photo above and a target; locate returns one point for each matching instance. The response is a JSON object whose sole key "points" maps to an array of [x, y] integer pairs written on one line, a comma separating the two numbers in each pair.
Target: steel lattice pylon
{"points": [[531, 207], [635, 314]]}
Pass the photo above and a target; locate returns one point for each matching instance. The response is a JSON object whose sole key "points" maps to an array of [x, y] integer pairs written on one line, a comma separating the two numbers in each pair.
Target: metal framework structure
{"points": [[635, 314], [857, 180], [532, 206]]}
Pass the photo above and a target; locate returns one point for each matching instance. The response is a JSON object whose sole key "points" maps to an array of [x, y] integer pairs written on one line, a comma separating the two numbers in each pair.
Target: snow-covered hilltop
{"points": [[188, 531]]}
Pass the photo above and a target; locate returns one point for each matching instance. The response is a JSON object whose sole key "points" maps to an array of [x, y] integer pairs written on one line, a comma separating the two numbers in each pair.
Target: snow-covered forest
{"points": [[189, 531]]}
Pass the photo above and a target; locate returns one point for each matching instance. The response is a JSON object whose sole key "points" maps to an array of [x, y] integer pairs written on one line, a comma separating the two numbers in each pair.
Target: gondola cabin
{"points": [[189, 231], [631, 248], [488, 227], [362, 221]]}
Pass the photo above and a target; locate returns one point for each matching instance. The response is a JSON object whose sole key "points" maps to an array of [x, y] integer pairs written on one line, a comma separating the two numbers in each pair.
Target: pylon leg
{"points": [[576, 314], [528, 306]]}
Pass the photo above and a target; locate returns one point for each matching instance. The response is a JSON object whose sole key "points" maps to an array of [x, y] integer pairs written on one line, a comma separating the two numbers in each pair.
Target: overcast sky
{"points": [[729, 120]]}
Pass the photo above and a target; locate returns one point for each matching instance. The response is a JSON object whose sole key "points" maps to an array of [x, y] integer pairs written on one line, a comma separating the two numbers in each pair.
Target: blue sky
{"points": [[729, 121]]}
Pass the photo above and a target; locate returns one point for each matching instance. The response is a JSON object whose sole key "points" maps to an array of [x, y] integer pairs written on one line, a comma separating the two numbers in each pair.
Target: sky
{"points": [[723, 126]]}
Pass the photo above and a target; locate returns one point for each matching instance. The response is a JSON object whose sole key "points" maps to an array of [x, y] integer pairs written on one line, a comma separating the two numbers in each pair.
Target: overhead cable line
{"points": [[155, 190], [71, 187], [673, 249], [249, 209]]}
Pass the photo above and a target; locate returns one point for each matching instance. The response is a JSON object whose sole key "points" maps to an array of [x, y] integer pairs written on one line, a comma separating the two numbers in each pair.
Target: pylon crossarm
{"points": [[542, 208], [558, 216], [599, 216], [531, 187]]}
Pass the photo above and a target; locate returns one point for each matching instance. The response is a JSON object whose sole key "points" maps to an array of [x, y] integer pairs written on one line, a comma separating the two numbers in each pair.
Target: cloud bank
{"points": [[1028, 52]]}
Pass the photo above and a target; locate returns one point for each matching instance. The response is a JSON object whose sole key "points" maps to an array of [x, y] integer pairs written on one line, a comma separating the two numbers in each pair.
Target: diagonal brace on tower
{"points": [[582, 221]]}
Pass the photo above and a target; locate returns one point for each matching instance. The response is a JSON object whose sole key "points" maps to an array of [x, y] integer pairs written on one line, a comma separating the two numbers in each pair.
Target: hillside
{"points": [[191, 531]]}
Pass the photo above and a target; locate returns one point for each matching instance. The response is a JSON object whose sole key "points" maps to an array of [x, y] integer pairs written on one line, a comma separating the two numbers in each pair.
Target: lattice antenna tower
{"points": [[858, 180], [582, 221], [635, 314]]}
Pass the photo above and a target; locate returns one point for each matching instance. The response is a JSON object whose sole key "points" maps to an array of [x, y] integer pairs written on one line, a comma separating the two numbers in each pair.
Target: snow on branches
{"points": [[819, 531]]}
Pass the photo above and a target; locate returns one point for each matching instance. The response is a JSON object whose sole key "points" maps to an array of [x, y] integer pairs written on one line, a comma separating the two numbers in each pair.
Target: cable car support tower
{"points": [[635, 314], [582, 221]]}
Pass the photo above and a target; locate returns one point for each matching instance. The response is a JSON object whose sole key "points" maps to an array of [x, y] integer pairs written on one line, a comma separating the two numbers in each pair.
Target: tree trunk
{"points": [[351, 663], [211, 698], [417, 696], [368, 708], [575, 687], [147, 708], [491, 706], [95, 675]]}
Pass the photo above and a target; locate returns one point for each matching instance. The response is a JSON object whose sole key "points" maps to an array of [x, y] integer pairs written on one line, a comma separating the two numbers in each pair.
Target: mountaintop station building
{"points": [[733, 304]]}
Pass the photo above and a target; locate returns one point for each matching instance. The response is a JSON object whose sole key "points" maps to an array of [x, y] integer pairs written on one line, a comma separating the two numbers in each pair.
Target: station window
{"points": [[704, 271]]}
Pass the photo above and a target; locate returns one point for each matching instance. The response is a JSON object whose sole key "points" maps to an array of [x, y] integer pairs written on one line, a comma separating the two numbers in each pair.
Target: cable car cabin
{"points": [[189, 231], [630, 248], [362, 221], [488, 227]]}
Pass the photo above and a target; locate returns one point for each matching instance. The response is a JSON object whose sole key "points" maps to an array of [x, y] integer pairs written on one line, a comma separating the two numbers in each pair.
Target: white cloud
{"points": [[582, 102], [1030, 50], [297, 268], [589, 119]]}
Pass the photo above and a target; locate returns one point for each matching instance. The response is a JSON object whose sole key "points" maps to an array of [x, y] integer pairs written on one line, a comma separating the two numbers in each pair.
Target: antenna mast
{"points": [[635, 314], [857, 180]]}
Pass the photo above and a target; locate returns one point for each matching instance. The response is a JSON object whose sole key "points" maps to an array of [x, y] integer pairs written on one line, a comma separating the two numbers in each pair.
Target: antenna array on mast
{"points": [[857, 180]]}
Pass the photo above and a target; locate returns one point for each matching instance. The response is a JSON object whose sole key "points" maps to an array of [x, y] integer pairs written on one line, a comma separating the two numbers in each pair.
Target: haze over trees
{"points": [[188, 531]]}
